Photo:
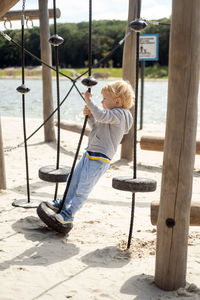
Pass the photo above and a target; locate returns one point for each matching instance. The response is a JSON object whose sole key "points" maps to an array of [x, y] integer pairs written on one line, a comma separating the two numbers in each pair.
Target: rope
{"points": [[47, 119], [135, 131], [23, 103], [86, 117], [58, 98], [6, 36]]}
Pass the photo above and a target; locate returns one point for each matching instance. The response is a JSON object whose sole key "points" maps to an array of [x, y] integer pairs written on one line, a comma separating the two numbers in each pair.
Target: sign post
{"points": [[148, 51]]}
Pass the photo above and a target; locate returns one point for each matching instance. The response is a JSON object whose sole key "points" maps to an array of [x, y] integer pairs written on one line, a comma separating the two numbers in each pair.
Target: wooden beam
{"points": [[72, 127], [179, 147], [156, 143], [33, 14], [2, 163], [194, 213], [5, 5]]}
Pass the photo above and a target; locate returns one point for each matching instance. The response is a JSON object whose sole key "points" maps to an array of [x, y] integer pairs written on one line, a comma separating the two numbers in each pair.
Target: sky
{"points": [[77, 10]]}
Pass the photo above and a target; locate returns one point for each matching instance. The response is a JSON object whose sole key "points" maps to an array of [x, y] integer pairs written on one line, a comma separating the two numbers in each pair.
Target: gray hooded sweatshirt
{"points": [[108, 127]]}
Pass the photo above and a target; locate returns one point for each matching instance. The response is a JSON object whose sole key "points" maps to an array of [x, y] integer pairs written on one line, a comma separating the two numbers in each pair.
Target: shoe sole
{"points": [[52, 207], [62, 221]]}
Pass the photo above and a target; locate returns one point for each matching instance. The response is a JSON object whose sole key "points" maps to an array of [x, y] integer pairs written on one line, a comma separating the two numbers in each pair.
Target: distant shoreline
{"points": [[97, 73], [63, 78]]}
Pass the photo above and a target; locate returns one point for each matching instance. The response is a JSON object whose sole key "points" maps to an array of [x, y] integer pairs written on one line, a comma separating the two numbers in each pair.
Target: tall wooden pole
{"points": [[128, 73], [179, 148], [2, 164], [49, 132]]}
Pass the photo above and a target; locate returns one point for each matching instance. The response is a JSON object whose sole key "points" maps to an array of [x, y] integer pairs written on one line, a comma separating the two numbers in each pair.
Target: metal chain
{"points": [[23, 6], [8, 149]]}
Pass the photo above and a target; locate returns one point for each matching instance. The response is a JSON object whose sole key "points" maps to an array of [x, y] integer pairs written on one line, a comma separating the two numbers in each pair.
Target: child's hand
{"points": [[86, 111], [87, 96]]}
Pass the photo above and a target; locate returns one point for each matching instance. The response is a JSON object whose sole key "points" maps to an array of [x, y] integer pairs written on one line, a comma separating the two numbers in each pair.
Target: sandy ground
{"points": [[89, 263]]}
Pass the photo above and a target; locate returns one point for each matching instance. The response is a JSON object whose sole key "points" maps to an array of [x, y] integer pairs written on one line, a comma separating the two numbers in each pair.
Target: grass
{"points": [[155, 71]]}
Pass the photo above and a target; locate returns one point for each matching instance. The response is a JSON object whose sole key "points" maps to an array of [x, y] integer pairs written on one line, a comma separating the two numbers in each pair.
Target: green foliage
{"points": [[73, 53], [156, 71]]}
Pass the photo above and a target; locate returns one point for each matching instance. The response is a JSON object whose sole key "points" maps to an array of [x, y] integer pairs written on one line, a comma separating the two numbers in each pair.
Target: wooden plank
{"points": [[179, 147], [74, 127], [32, 14], [194, 213], [5, 5], [2, 163], [156, 143]]}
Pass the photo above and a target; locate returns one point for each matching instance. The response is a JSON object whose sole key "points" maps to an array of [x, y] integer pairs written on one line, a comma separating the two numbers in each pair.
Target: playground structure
{"points": [[179, 149], [194, 213], [180, 144], [156, 143]]}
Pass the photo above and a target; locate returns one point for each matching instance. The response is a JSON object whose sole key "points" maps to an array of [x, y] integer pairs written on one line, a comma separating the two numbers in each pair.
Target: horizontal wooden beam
{"points": [[72, 127], [33, 14], [194, 213], [156, 143], [5, 5]]}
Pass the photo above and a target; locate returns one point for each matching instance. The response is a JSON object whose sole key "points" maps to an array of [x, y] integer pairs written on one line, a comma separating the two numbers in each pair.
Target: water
{"points": [[155, 100]]}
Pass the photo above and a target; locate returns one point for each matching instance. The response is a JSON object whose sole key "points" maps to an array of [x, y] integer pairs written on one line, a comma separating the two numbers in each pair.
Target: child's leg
{"points": [[88, 176], [55, 204], [74, 180]]}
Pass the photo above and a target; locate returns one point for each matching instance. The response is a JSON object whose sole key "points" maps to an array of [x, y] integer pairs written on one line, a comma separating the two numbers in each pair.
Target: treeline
{"points": [[73, 53]]}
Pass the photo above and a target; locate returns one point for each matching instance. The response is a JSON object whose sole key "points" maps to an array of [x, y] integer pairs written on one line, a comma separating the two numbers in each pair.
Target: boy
{"points": [[108, 125]]}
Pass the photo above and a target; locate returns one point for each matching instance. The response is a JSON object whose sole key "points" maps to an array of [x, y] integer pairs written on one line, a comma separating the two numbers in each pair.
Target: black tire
{"points": [[134, 185]]}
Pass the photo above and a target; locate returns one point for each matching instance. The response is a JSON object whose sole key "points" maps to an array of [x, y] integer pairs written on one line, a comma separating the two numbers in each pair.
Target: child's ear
{"points": [[118, 102]]}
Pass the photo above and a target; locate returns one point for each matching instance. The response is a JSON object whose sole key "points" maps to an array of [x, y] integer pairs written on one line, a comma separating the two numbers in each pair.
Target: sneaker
{"points": [[54, 205], [63, 218]]}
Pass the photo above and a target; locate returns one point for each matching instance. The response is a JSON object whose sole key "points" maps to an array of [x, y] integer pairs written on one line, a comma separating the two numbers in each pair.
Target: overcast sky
{"points": [[77, 10]]}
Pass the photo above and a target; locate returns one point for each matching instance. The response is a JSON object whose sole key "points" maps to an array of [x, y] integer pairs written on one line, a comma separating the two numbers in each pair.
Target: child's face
{"points": [[108, 101]]}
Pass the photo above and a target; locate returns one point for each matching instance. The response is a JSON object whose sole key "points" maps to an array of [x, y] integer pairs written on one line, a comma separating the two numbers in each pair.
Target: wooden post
{"points": [[179, 148], [128, 73], [49, 132], [5, 5], [2, 164], [194, 213]]}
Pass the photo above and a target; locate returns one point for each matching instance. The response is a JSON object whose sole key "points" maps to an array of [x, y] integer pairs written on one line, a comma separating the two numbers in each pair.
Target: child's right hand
{"points": [[87, 96], [86, 111]]}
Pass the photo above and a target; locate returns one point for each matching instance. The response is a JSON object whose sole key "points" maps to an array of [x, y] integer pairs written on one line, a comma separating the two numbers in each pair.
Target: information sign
{"points": [[148, 47]]}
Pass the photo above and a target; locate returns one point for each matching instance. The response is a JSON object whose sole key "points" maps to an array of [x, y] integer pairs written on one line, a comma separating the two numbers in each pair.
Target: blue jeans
{"points": [[85, 176]]}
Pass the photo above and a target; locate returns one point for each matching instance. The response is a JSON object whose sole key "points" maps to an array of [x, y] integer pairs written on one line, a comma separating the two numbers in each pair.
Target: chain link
{"points": [[8, 149], [23, 5]]}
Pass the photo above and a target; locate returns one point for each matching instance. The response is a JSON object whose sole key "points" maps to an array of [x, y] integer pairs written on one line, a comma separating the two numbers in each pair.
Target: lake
{"points": [[155, 100]]}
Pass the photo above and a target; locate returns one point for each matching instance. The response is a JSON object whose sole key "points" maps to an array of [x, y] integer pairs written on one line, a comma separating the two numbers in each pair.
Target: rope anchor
{"points": [[29, 20], [5, 23]]}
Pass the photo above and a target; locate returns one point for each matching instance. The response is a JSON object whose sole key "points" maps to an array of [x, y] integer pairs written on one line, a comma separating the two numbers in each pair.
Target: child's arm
{"points": [[103, 115]]}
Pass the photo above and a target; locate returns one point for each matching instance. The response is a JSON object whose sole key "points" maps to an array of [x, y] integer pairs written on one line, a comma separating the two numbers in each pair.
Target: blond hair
{"points": [[121, 89]]}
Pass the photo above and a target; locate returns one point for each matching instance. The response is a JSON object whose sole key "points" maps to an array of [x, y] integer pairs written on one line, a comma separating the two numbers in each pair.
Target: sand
{"points": [[89, 263]]}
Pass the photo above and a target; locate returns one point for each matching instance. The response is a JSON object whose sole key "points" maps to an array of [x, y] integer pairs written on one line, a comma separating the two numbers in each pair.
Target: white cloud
{"points": [[155, 9]]}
